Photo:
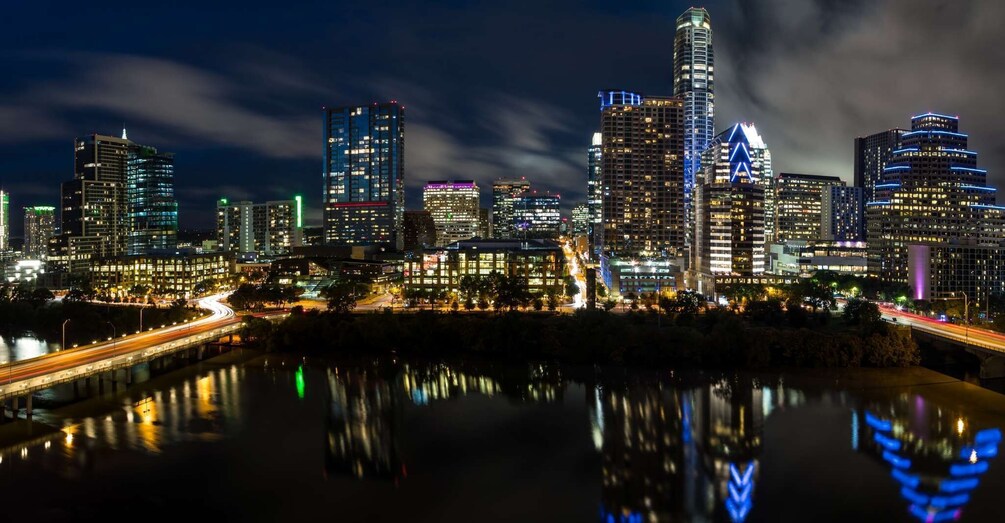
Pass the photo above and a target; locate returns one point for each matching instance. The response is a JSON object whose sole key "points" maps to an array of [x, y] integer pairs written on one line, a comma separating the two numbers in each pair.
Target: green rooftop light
{"points": [[300, 210]]}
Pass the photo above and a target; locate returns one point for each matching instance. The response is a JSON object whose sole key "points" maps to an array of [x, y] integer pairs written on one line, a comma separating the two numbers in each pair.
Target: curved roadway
{"points": [[962, 333]]}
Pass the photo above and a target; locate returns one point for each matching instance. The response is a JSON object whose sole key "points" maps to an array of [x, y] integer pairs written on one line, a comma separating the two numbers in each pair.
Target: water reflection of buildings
{"points": [[933, 453]]}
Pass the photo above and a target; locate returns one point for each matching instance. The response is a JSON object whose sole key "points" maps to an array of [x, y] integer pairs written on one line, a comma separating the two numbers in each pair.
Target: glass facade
{"points": [[152, 208], [594, 192], [4, 221], [364, 191], [270, 228], [842, 214], [693, 81], [39, 227], [871, 155], [504, 193], [799, 200], [537, 216], [454, 206], [541, 262]]}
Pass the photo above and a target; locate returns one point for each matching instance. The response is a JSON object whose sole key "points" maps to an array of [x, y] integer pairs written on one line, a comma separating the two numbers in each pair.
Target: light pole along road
{"points": [[220, 315], [962, 333]]}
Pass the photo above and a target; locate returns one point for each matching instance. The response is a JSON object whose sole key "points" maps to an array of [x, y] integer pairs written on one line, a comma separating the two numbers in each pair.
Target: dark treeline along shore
{"points": [[761, 337]]}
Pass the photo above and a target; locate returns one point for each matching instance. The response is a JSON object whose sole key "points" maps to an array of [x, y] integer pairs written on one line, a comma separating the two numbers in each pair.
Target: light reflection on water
{"points": [[665, 447], [23, 348]]}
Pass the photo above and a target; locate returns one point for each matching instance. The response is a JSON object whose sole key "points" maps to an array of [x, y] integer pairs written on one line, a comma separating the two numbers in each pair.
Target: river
{"points": [[252, 437]]}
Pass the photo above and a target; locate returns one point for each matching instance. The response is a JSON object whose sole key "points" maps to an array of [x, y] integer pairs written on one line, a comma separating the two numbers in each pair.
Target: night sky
{"points": [[490, 88]]}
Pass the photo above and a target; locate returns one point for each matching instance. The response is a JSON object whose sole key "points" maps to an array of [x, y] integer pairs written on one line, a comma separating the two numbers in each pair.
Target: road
{"points": [[220, 316], [576, 271], [979, 337]]}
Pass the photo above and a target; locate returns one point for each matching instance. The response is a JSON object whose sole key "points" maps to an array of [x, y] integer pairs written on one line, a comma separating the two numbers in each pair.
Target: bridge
{"points": [[23, 378], [988, 346]]}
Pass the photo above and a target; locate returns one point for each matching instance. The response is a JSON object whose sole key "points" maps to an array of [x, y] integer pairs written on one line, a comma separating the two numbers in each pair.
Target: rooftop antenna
{"points": [[124, 137]]}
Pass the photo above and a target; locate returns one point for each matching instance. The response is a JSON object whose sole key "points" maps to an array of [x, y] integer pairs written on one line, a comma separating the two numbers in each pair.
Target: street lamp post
{"points": [[63, 346], [110, 324]]}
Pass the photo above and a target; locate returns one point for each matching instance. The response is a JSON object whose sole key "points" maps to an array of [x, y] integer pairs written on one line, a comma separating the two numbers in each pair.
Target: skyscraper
{"points": [[537, 216], [4, 221], [642, 175], [931, 192], [841, 214], [152, 208], [581, 219], [871, 155], [455, 209], [270, 228], [419, 230], [39, 227], [730, 217], [799, 198], [693, 82], [504, 192], [594, 192], [93, 209], [364, 191]]}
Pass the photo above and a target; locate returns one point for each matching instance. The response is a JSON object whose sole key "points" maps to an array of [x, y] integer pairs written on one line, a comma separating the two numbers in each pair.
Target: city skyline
{"points": [[202, 113]]}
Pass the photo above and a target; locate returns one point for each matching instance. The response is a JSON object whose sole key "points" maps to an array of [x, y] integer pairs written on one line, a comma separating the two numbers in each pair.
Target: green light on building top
{"points": [[300, 210]]}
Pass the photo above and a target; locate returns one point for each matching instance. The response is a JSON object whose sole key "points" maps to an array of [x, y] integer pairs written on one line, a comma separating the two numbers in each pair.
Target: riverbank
{"points": [[717, 339]]}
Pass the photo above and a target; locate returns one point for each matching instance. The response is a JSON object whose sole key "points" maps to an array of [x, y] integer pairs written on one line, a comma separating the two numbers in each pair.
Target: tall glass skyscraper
{"points": [[594, 193], [364, 187], [455, 209], [152, 209], [39, 227], [504, 193], [693, 74], [4, 221], [871, 156]]}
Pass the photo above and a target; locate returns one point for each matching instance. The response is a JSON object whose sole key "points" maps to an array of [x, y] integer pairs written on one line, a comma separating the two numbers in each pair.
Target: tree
{"points": [[538, 303], [862, 313], [341, 297], [571, 287]]}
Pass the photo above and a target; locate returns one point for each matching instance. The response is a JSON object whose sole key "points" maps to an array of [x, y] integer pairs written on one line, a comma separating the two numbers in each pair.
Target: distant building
{"points": [[270, 228], [798, 211], [952, 269], [801, 258], [932, 192], [364, 191], [484, 222], [537, 216], [173, 274], [4, 221], [871, 156], [419, 230], [542, 262], [842, 211], [504, 193], [152, 211], [39, 228], [642, 175], [623, 276], [454, 206], [581, 219], [594, 192]]}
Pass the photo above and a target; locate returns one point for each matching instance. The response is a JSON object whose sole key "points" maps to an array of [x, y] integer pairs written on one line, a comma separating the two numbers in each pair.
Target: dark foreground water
{"points": [[263, 438]]}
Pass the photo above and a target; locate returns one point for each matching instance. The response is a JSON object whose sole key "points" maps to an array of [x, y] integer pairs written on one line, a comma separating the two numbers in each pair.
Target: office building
{"points": [[798, 211], [871, 156], [169, 275], [39, 228], [152, 210], [504, 193], [419, 230], [730, 208], [93, 209], [842, 211], [581, 219], [4, 221], [484, 222], [268, 229], [363, 173], [955, 269], [932, 192], [594, 192], [454, 206], [693, 82], [537, 216], [541, 262], [642, 175]]}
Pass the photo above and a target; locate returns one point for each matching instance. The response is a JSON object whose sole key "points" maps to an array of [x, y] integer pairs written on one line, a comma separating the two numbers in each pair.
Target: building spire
{"points": [[124, 137]]}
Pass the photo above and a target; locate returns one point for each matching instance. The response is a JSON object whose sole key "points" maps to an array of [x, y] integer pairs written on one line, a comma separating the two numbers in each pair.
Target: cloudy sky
{"points": [[490, 88]]}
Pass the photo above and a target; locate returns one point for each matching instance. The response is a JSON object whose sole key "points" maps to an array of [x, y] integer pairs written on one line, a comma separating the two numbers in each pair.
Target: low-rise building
{"points": [[625, 275], [171, 274], [540, 261], [956, 270]]}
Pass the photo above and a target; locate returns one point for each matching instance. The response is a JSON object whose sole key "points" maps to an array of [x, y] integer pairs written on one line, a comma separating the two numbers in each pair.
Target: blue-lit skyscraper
{"points": [[594, 193], [364, 191], [693, 74], [152, 209]]}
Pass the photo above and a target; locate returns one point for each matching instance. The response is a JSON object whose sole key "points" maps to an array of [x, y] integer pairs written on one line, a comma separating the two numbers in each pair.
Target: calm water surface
{"points": [[266, 438]]}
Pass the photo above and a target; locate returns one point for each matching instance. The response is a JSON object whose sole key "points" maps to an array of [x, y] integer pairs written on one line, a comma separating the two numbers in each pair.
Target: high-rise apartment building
{"points": [[871, 156], [39, 227], [581, 219], [504, 193], [93, 210], [454, 206], [642, 175], [364, 191], [4, 221], [270, 228], [799, 199], [594, 192], [537, 216], [842, 212], [730, 217], [152, 210], [931, 192], [693, 82]]}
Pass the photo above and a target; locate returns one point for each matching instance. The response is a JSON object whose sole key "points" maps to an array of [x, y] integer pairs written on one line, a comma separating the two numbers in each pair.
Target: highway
{"points": [[962, 333], [56, 362]]}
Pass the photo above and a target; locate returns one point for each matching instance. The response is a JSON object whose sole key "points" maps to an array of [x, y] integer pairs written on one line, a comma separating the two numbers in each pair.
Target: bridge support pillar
{"points": [[992, 367], [129, 375], [13, 407], [201, 352], [27, 407]]}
